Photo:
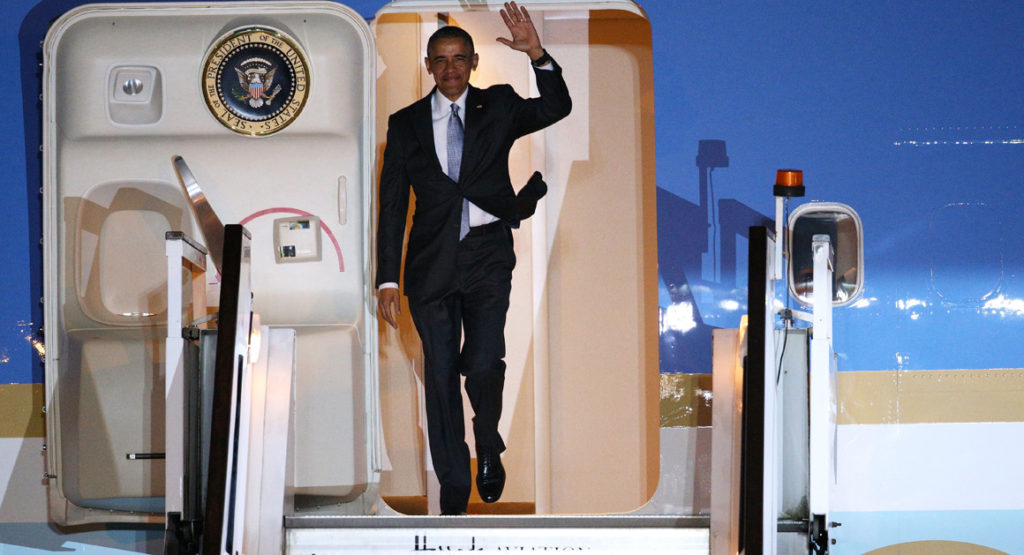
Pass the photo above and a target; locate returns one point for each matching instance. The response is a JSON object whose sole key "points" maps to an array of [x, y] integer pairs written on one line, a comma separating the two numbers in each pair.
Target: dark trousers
{"points": [[477, 308]]}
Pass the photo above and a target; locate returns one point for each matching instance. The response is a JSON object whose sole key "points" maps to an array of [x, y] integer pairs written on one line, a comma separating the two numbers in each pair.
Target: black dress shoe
{"points": [[490, 477], [453, 513]]}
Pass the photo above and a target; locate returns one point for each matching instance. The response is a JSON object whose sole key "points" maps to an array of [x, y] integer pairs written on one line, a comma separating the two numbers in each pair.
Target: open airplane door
{"points": [[271, 104], [274, 105], [581, 331]]}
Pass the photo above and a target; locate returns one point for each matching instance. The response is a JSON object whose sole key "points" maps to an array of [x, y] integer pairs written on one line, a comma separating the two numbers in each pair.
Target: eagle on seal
{"points": [[257, 81]]}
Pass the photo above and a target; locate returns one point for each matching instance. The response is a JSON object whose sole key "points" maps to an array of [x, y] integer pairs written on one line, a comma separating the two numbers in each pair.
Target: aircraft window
{"points": [[843, 227]]}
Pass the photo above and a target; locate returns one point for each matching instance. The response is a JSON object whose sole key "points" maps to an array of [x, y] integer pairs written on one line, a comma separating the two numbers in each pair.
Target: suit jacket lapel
{"points": [[423, 123], [476, 114]]}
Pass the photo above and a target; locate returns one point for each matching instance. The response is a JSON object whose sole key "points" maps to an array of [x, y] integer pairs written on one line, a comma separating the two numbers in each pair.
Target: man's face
{"points": [[450, 62]]}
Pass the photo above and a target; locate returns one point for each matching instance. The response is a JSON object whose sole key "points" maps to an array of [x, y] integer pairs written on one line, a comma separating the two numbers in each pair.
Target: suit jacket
{"points": [[495, 118]]}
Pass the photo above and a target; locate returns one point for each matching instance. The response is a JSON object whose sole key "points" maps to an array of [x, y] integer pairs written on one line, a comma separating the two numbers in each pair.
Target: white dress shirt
{"points": [[441, 112]]}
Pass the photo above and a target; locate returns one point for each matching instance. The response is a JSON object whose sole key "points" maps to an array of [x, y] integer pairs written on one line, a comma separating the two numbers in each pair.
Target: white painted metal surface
{"points": [[726, 430], [180, 253], [111, 194], [780, 203], [269, 482], [772, 500], [822, 389], [680, 541]]}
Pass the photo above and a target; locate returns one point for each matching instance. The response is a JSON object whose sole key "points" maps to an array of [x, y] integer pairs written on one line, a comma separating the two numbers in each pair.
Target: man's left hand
{"points": [[524, 34]]}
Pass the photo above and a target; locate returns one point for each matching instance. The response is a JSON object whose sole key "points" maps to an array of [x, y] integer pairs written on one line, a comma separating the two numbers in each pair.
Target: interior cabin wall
{"points": [[602, 281], [401, 40], [403, 424], [583, 306]]}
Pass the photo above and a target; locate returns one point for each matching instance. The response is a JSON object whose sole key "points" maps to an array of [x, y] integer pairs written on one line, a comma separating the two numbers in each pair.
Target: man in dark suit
{"points": [[452, 147]]}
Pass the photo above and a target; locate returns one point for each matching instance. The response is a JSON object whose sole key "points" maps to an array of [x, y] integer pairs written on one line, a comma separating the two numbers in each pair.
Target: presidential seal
{"points": [[255, 81]]}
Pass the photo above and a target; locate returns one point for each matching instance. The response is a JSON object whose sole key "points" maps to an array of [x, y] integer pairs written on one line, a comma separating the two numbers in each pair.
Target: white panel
{"points": [[277, 427], [772, 500], [117, 409], [22, 492], [822, 385], [930, 467], [679, 541], [329, 439], [268, 442], [138, 236], [726, 432], [109, 181], [684, 481]]}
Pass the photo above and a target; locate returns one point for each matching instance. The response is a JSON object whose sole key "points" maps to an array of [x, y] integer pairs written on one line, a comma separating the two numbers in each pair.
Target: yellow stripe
{"points": [[875, 397], [936, 547], [21, 410], [685, 400], [931, 396]]}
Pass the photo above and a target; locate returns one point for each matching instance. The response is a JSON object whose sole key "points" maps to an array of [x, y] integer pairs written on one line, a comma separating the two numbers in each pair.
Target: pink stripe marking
{"points": [[286, 210]]}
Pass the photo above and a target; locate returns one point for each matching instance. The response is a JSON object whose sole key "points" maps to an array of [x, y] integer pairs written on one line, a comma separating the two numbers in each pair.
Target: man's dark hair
{"points": [[450, 32]]}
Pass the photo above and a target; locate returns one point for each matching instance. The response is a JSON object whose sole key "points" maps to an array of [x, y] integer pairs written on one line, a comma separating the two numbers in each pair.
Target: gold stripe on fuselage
{"points": [[21, 410]]}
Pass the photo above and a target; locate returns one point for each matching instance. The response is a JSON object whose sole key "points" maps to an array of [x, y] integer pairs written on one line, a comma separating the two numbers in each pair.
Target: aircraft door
{"points": [[581, 329], [268, 104]]}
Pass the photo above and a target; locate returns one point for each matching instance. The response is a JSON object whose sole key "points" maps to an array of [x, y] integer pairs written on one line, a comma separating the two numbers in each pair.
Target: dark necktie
{"points": [[455, 135]]}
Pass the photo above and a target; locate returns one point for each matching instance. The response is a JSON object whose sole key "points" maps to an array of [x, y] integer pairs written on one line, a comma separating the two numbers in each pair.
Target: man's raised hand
{"points": [[524, 34]]}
